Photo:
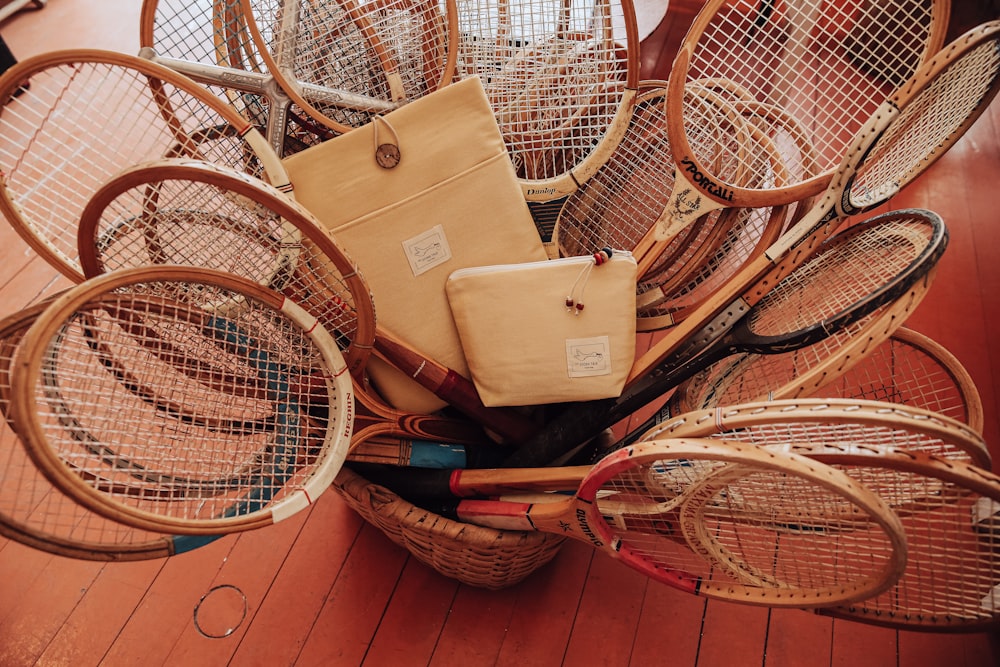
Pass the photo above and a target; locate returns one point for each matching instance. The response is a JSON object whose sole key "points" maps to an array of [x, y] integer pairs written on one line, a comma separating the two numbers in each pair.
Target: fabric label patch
{"points": [[588, 357], [427, 250]]}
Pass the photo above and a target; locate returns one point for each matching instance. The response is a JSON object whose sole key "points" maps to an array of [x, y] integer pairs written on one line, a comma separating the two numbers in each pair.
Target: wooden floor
{"points": [[324, 588]]}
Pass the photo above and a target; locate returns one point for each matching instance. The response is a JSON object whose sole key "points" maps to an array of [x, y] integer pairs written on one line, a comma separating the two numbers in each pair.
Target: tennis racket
{"points": [[91, 114], [562, 79], [856, 272], [906, 135], [343, 62], [829, 65], [707, 518], [113, 451], [750, 377], [187, 212], [624, 198], [211, 44], [947, 504], [906, 368], [35, 513]]}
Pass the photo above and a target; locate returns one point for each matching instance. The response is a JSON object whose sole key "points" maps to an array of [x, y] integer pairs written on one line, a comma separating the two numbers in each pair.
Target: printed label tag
{"points": [[427, 250], [588, 357]]}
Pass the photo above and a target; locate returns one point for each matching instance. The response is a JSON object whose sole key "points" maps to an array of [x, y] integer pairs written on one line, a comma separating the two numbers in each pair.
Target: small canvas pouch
{"points": [[547, 332]]}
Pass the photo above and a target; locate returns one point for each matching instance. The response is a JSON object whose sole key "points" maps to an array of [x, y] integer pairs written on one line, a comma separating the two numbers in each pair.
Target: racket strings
{"points": [[83, 122], [844, 274], [126, 446], [214, 35], [910, 369], [827, 64], [930, 120], [619, 204], [555, 73]]}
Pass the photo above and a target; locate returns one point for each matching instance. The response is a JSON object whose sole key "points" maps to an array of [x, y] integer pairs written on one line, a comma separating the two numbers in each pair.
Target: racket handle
{"points": [[457, 391], [399, 451]]}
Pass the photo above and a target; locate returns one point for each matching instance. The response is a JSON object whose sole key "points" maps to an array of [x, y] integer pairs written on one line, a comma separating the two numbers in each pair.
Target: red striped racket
{"points": [[708, 518], [91, 114], [947, 505]]}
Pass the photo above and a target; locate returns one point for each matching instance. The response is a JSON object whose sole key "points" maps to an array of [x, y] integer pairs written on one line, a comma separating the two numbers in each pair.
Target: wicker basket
{"points": [[477, 556]]}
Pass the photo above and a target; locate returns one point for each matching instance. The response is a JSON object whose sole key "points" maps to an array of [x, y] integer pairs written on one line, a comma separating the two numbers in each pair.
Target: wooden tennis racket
{"points": [[91, 114], [865, 423], [705, 517], [829, 65], [123, 456], [848, 279], [35, 513], [562, 79], [343, 62], [947, 505], [190, 212], [912, 369]]}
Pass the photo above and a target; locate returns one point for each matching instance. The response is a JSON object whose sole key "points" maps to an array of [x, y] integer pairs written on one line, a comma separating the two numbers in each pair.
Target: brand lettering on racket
{"points": [[710, 186], [541, 191], [581, 518]]}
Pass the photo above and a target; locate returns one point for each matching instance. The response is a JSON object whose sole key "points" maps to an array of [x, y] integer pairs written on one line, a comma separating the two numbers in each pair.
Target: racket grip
{"points": [[412, 484]]}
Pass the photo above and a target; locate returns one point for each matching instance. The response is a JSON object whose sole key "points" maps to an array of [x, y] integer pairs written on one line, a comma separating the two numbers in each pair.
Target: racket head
{"points": [[345, 62], [194, 213], [912, 369], [620, 202], [92, 113], [854, 273], [728, 501], [35, 513], [561, 79], [929, 113], [182, 400], [902, 246], [829, 65]]}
